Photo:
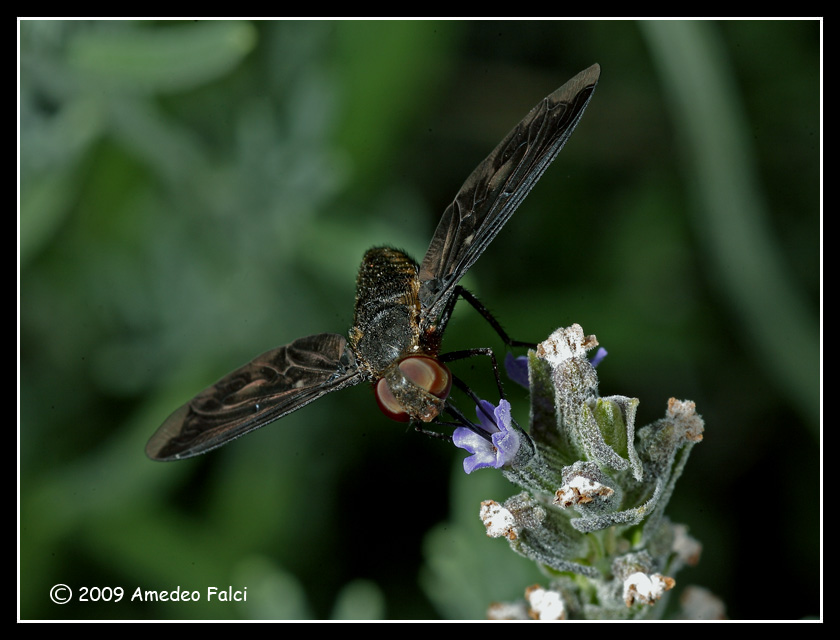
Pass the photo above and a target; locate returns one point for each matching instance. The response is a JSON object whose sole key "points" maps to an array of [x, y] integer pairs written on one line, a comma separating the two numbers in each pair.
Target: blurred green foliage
{"points": [[195, 193]]}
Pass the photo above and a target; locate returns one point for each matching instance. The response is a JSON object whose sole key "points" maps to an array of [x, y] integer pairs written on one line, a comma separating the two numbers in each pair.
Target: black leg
{"points": [[469, 353], [434, 338], [485, 313]]}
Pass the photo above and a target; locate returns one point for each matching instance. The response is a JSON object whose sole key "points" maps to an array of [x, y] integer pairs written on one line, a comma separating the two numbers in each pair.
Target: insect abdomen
{"points": [[386, 322]]}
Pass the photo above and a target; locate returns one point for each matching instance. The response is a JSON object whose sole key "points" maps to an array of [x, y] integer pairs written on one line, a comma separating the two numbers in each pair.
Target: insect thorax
{"points": [[386, 323]]}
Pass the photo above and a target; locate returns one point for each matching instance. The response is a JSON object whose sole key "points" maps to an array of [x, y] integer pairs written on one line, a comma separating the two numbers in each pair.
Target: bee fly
{"points": [[402, 308]]}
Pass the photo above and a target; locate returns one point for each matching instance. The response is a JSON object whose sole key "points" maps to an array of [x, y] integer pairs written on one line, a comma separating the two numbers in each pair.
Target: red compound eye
{"points": [[425, 372]]}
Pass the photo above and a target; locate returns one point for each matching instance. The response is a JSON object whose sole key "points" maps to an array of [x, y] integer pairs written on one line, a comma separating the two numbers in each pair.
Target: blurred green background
{"points": [[195, 193]]}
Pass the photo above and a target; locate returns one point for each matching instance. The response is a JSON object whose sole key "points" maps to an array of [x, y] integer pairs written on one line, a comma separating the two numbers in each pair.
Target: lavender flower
{"points": [[502, 445], [599, 355], [594, 487], [517, 369]]}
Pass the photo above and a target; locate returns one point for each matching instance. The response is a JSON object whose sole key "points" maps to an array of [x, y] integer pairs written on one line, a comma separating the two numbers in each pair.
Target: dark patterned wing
{"points": [[267, 388], [498, 185]]}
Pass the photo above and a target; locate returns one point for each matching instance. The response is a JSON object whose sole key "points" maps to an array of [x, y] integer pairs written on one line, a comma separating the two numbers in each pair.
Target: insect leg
{"points": [[469, 353], [461, 292], [435, 434]]}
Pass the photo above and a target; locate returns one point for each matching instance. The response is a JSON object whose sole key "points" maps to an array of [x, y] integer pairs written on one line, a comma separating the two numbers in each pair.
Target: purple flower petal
{"points": [[483, 453], [503, 443], [599, 355], [517, 369]]}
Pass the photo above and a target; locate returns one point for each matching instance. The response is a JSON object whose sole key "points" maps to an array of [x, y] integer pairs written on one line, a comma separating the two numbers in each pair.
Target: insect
{"points": [[402, 308]]}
